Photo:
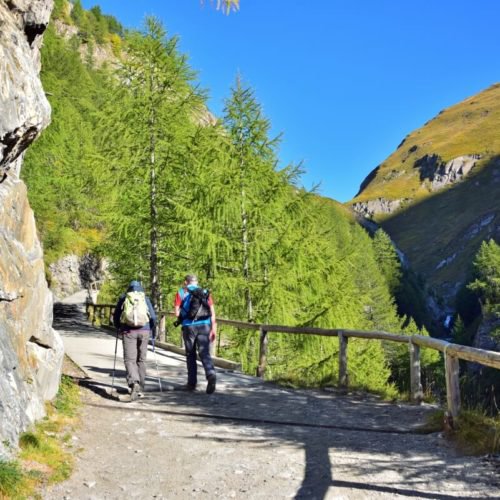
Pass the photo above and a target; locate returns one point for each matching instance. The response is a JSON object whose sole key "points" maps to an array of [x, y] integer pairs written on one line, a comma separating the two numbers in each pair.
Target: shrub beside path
{"points": [[250, 439]]}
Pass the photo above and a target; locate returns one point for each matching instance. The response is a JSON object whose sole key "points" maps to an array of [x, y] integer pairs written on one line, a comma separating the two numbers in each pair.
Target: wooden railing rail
{"points": [[452, 352], [102, 313]]}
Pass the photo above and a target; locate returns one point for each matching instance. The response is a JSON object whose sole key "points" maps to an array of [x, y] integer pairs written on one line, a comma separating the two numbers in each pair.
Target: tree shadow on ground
{"points": [[72, 318], [323, 424]]}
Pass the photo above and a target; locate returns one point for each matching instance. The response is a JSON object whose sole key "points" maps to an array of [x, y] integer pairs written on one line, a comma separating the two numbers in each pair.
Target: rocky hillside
{"points": [[437, 195], [30, 350]]}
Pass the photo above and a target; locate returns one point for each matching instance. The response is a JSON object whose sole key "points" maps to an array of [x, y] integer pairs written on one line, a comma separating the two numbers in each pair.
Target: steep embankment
{"points": [[437, 195], [30, 350]]}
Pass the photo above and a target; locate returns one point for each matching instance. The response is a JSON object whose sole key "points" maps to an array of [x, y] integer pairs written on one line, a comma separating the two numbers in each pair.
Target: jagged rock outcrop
{"points": [[31, 351], [441, 174], [432, 171], [72, 273], [65, 30], [379, 206], [24, 109], [65, 276], [488, 333]]}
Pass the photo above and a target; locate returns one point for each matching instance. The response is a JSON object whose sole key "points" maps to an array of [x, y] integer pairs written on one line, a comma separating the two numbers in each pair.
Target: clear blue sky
{"points": [[344, 81]]}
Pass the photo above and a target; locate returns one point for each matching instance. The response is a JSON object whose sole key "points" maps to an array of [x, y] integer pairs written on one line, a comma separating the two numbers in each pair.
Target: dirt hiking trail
{"points": [[250, 439]]}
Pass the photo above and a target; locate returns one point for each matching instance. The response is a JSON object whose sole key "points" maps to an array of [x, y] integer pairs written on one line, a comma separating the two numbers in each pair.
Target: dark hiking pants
{"points": [[135, 348], [196, 338]]}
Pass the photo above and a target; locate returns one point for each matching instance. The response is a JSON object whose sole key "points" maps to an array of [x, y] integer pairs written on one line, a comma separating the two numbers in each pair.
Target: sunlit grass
{"points": [[43, 448], [45, 456], [469, 127], [13, 483], [68, 398], [474, 432]]}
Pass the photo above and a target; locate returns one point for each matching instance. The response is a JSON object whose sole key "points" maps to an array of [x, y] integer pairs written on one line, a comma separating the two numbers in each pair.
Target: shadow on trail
{"points": [[102, 390], [72, 317], [320, 427], [375, 438], [318, 478], [321, 423]]}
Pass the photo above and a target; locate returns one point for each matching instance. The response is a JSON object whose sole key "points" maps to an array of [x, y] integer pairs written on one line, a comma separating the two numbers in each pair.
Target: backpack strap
{"points": [[184, 295]]}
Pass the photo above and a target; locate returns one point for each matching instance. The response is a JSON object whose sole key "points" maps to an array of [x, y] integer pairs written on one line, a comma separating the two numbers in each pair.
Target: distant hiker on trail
{"points": [[194, 309], [135, 319]]}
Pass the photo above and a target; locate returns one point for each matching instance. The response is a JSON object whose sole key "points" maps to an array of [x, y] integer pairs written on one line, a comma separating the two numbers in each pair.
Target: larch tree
{"points": [[153, 112], [387, 259], [487, 275], [254, 186]]}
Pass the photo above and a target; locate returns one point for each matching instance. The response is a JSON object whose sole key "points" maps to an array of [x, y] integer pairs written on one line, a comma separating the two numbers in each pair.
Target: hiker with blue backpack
{"points": [[195, 311], [135, 319]]}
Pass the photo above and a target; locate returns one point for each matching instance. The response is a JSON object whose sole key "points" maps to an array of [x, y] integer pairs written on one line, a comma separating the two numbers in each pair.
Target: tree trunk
{"points": [[246, 259], [154, 268]]}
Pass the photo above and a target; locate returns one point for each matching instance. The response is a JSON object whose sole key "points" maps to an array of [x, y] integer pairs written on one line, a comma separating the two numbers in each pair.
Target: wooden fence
{"points": [[452, 352]]}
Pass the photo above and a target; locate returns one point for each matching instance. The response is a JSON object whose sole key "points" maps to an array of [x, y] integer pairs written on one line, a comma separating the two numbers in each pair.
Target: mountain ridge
{"points": [[467, 129], [437, 196]]}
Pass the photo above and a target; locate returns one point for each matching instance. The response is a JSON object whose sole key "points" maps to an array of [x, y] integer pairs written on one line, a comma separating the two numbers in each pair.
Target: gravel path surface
{"points": [[252, 440]]}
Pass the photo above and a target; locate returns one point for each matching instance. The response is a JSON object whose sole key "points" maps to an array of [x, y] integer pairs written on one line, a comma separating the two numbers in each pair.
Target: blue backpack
{"points": [[195, 304]]}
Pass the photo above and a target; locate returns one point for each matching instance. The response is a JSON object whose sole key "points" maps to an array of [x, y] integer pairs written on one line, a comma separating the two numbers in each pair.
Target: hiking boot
{"points": [[211, 383], [189, 387], [136, 390]]}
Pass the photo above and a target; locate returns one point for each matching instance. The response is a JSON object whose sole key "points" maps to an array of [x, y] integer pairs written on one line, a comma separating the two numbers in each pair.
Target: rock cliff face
{"points": [[434, 174], [24, 108], [30, 350], [440, 174], [371, 208], [72, 273], [484, 338]]}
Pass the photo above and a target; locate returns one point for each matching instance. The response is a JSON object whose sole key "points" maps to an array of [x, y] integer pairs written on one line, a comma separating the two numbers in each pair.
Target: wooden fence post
{"points": [[110, 316], [416, 391], [452, 368], [343, 374], [261, 369], [218, 342]]}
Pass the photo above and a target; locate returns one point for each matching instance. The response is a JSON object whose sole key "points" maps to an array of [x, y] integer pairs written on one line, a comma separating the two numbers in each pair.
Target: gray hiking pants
{"points": [[135, 349]]}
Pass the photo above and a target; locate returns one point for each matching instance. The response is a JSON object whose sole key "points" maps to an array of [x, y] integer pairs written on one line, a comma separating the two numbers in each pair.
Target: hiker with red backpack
{"points": [[195, 311], [135, 319]]}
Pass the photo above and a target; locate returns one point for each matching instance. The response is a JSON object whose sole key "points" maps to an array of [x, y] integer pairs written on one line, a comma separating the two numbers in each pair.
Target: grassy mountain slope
{"points": [[440, 231], [470, 127]]}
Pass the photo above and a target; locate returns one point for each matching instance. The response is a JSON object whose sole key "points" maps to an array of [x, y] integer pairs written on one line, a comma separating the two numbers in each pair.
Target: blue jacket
{"points": [[134, 286]]}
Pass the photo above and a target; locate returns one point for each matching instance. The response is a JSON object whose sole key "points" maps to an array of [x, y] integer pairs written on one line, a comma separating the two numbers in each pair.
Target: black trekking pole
{"points": [[114, 364]]}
